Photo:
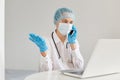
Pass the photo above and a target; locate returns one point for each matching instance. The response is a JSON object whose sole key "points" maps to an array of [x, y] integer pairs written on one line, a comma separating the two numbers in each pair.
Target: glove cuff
{"points": [[43, 50], [72, 42]]}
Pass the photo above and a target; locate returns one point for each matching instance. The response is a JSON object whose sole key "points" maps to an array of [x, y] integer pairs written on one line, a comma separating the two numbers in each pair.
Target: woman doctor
{"points": [[60, 49]]}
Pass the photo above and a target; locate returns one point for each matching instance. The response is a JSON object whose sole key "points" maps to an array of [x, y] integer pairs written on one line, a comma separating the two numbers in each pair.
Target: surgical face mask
{"points": [[65, 28]]}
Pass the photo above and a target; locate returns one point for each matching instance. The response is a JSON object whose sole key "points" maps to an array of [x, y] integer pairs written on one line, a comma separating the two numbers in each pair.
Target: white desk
{"points": [[56, 75]]}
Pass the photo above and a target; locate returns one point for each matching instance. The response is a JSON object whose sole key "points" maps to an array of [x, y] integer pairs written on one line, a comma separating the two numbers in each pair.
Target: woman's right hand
{"points": [[39, 41]]}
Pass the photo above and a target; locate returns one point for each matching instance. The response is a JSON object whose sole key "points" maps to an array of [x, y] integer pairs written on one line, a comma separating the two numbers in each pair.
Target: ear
{"points": [[57, 24]]}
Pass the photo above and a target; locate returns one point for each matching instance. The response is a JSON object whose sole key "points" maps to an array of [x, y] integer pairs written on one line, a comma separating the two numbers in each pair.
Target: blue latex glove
{"points": [[72, 37], [39, 41]]}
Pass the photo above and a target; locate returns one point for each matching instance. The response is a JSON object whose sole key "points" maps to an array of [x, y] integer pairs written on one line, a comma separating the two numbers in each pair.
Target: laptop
{"points": [[105, 60]]}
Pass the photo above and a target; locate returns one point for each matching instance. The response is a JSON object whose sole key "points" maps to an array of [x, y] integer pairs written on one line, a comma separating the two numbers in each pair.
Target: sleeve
{"points": [[45, 63], [77, 58]]}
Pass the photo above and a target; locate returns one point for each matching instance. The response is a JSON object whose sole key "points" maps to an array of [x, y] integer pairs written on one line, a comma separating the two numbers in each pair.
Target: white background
{"points": [[95, 19], [1, 39]]}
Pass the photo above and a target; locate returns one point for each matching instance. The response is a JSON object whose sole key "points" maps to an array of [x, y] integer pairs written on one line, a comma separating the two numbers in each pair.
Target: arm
{"points": [[77, 58], [44, 54], [45, 61]]}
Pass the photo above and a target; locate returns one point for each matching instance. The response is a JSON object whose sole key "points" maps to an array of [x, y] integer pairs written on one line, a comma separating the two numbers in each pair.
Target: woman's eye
{"points": [[65, 21]]}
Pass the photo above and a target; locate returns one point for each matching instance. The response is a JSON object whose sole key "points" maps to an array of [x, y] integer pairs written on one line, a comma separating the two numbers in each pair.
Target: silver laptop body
{"points": [[104, 61]]}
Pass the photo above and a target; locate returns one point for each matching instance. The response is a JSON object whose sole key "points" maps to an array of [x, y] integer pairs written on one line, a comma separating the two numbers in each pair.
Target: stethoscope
{"points": [[56, 46]]}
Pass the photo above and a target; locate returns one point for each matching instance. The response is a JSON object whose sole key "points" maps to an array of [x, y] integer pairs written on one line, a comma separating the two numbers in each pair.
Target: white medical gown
{"points": [[69, 59]]}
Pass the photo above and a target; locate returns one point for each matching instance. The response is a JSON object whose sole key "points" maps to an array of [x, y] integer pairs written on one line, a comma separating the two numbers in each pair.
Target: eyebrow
{"points": [[66, 20]]}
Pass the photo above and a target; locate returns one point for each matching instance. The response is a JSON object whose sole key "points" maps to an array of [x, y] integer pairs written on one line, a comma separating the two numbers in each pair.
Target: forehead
{"points": [[67, 19]]}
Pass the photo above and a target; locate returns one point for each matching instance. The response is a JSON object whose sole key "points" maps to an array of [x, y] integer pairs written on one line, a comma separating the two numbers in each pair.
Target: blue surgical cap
{"points": [[62, 13]]}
